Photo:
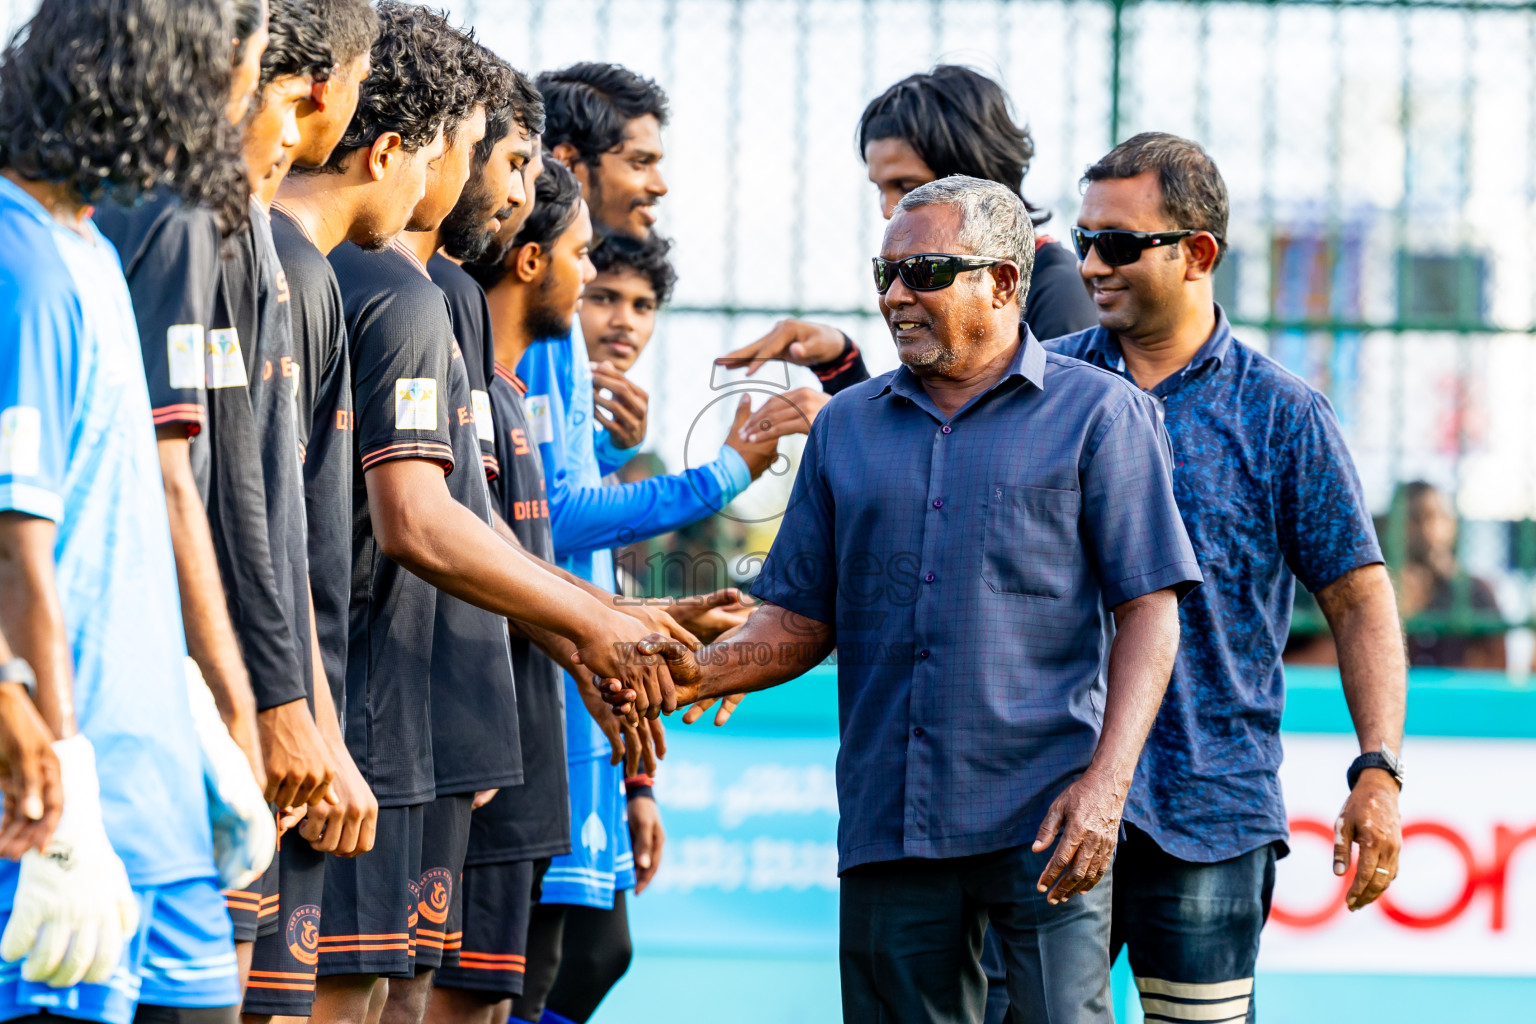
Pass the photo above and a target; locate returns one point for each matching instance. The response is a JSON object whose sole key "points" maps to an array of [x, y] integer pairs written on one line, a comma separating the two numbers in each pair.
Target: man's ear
{"points": [[1202, 250], [528, 262], [386, 148], [1005, 284], [320, 93], [566, 154]]}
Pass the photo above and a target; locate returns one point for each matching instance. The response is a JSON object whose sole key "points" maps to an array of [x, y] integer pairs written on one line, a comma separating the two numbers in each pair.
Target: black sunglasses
{"points": [[1117, 248], [927, 271]]}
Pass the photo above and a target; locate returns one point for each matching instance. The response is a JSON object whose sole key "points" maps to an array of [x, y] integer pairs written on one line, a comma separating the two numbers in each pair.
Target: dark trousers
{"points": [[912, 937], [1191, 930]]}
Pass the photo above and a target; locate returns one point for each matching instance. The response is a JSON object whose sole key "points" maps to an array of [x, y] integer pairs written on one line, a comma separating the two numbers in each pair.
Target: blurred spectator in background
{"points": [[1448, 613], [1451, 618], [951, 120]]}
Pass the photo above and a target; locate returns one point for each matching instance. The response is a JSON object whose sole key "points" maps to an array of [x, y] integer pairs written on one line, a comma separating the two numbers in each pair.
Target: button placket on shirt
{"points": [[925, 671]]}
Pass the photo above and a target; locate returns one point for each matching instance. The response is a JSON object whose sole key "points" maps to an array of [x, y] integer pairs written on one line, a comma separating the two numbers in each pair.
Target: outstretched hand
{"points": [[794, 341], [709, 615], [686, 675]]}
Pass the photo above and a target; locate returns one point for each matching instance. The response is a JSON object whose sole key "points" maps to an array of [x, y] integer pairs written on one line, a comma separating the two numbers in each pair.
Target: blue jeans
{"points": [[1191, 930], [911, 942]]}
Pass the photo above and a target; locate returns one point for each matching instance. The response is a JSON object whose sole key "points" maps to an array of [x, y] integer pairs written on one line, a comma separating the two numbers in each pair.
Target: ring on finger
{"points": [[1382, 871]]}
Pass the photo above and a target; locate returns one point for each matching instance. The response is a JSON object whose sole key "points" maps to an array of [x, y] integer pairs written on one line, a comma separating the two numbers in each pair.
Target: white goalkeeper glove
{"points": [[73, 909], [244, 832]]}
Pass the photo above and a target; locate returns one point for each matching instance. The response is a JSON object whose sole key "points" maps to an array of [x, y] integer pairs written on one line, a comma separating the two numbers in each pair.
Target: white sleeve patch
{"points": [[540, 426], [416, 403], [226, 363], [184, 360], [485, 428], [21, 441]]}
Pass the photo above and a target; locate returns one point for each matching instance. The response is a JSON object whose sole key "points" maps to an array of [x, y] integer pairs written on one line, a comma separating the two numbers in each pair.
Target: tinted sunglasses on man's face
{"points": [[927, 271], [1118, 248]]}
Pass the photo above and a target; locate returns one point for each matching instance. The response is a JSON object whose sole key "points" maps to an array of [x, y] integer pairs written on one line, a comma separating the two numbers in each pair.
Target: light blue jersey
{"points": [[587, 519], [77, 446]]}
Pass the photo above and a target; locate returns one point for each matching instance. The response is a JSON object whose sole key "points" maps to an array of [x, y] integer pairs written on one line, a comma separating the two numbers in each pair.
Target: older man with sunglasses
{"points": [[1268, 494], [959, 529]]}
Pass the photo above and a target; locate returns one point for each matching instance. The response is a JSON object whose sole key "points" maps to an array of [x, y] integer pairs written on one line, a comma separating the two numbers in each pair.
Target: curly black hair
{"points": [[958, 121], [115, 98], [315, 37], [416, 86], [516, 102], [645, 256], [557, 199], [588, 105]]}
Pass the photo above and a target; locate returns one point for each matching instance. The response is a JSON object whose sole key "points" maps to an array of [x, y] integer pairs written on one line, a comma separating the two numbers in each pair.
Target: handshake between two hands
{"points": [[653, 671]]}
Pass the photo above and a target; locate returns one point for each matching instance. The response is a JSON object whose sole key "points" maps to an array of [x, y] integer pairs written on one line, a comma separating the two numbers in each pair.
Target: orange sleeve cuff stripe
{"points": [[431, 450]]}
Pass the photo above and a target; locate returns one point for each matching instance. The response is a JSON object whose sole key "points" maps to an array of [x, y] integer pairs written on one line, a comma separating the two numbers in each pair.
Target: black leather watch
{"points": [[18, 671], [1383, 759]]}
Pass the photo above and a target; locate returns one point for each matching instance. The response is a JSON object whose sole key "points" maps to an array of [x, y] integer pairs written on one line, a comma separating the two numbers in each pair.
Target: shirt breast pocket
{"points": [[1032, 546]]}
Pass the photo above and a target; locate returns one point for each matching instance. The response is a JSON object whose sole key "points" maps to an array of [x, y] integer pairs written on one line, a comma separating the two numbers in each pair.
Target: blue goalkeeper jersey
{"points": [[77, 446]]}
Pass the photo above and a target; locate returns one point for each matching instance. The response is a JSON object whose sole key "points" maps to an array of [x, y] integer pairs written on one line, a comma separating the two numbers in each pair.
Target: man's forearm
{"points": [[205, 613], [443, 542], [795, 645], [1362, 612], [32, 617], [1140, 662]]}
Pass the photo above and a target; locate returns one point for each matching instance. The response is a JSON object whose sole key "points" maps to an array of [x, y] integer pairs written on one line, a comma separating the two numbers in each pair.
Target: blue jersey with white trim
{"points": [[77, 446]]}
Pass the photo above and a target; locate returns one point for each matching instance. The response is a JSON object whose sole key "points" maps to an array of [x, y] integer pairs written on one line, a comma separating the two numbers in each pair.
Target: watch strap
{"points": [[18, 671], [1374, 759]]}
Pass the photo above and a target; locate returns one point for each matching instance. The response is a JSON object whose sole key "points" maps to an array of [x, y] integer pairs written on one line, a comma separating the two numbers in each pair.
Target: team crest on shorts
{"points": [[304, 934], [436, 895]]}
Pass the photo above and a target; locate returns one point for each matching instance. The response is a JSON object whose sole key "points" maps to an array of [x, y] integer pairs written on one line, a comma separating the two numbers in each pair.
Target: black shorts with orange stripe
{"points": [[440, 912], [368, 913], [254, 910], [498, 900], [282, 979]]}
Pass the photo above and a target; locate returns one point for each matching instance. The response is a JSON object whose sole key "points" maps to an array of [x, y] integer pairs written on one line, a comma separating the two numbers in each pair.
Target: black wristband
{"points": [[639, 792]]}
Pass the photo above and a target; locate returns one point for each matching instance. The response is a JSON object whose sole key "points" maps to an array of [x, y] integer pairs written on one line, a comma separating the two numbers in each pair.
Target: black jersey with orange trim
{"points": [[475, 742], [272, 393], [170, 257], [399, 335], [532, 820], [325, 437], [472, 326], [222, 301]]}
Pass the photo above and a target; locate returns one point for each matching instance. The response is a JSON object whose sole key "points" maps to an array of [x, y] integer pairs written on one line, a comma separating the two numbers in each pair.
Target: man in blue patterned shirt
{"points": [[1269, 495], [959, 529]]}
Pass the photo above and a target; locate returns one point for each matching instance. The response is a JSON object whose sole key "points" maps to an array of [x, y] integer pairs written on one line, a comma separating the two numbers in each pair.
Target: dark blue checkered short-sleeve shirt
{"points": [[1268, 493], [965, 562]]}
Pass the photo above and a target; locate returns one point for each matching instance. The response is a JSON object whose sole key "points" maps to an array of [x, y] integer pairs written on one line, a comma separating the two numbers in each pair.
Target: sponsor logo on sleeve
{"points": [[541, 425], [184, 352], [226, 363], [416, 403], [485, 429], [21, 441]]}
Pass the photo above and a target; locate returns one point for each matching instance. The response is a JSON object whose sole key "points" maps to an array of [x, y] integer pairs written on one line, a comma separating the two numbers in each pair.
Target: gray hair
{"points": [[993, 220]]}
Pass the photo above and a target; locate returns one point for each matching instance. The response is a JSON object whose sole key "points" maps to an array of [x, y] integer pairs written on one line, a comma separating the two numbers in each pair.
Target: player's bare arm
{"points": [[421, 527], [205, 613], [1362, 612], [345, 820], [1087, 814]]}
